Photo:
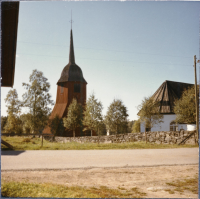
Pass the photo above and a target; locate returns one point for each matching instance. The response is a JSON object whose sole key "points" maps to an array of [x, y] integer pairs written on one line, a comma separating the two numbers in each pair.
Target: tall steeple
{"points": [[70, 85], [71, 50]]}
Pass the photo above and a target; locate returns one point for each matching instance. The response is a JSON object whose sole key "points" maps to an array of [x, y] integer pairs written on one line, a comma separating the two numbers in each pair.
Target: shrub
{"points": [[26, 140]]}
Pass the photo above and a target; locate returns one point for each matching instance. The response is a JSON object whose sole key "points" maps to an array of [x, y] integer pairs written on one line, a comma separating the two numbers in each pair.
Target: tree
{"points": [[116, 117], [37, 99], [13, 123], [27, 123], [56, 125], [3, 122], [13, 103], [136, 126], [149, 113], [130, 125], [74, 116], [93, 119], [185, 108]]}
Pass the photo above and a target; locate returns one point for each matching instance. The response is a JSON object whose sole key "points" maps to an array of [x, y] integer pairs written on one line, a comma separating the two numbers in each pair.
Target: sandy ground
{"points": [[151, 180]]}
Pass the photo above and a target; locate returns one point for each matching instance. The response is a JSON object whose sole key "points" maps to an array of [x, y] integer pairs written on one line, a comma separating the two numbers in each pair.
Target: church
{"points": [[70, 85], [166, 94]]}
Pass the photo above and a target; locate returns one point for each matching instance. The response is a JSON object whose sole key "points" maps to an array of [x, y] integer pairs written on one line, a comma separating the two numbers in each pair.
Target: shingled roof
{"points": [[167, 93], [71, 71]]}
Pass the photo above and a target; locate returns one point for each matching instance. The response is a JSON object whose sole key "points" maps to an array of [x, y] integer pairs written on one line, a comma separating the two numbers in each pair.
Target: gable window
{"points": [[61, 88], [77, 88], [173, 126]]}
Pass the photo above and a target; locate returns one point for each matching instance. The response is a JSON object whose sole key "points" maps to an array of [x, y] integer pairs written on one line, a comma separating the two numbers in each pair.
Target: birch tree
{"points": [[93, 119], [37, 99], [136, 126], [149, 113], [116, 117], [13, 123], [13, 103], [74, 116]]}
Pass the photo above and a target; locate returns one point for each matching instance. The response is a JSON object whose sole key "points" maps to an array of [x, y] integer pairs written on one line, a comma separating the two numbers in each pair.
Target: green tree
{"points": [[130, 125], [27, 123], [136, 126], [74, 116], [3, 122], [93, 119], [116, 117], [149, 113], [13, 123], [13, 103], [184, 108], [37, 99], [56, 125]]}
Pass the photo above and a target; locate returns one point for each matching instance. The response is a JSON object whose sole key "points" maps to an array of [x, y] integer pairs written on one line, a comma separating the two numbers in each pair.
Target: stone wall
{"points": [[160, 137]]}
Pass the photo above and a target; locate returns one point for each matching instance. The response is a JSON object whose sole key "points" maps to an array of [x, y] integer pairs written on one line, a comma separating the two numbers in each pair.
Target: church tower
{"points": [[70, 85]]}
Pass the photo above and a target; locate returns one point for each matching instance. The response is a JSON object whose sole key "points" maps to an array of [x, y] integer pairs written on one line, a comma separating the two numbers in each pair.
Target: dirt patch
{"points": [[151, 180]]}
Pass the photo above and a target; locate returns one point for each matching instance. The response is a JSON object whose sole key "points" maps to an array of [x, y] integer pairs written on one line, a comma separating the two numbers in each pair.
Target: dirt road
{"points": [[151, 180], [67, 159]]}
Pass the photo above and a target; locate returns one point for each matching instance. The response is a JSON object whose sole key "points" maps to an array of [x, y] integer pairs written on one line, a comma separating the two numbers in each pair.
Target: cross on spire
{"points": [[71, 20]]}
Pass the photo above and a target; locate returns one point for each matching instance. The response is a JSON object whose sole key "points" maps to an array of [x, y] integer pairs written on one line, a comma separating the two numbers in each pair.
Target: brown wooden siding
{"points": [[63, 101]]}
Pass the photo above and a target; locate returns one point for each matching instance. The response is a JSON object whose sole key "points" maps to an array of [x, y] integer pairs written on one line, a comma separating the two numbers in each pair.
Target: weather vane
{"points": [[71, 20]]}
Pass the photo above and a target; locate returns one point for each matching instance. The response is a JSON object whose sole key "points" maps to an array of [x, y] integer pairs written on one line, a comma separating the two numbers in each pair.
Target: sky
{"points": [[126, 50]]}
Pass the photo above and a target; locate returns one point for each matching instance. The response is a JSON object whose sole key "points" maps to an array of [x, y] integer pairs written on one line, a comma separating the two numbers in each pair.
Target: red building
{"points": [[70, 85]]}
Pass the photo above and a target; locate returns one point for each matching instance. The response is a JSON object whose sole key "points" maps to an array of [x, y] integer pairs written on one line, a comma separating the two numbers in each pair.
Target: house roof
{"points": [[71, 71], [9, 24], [167, 93]]}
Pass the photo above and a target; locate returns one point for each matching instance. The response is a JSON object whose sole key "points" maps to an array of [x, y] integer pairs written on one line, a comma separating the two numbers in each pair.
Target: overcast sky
{"points": [[126, 50]]}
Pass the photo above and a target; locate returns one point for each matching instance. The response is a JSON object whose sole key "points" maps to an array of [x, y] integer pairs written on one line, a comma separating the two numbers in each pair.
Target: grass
{"points": [[23, 189], [180, 186], [21, 143]]}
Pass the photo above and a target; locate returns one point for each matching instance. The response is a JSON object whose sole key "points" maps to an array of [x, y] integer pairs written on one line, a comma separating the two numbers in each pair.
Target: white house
{"points": [[166, 94]]}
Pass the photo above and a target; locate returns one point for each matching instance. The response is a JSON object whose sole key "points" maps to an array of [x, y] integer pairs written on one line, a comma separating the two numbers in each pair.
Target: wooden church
{"points": [[70, 85]]}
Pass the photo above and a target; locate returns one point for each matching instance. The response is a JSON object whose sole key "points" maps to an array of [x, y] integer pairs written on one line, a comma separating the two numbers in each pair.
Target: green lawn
{"points": [[23, 189], [21, 143]]}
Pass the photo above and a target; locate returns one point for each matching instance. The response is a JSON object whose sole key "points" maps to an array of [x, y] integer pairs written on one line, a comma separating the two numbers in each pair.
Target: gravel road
{"points": [[73, 159]]}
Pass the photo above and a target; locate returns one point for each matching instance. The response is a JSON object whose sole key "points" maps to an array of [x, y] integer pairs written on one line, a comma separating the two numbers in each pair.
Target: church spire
{"points": [[71, 49]]}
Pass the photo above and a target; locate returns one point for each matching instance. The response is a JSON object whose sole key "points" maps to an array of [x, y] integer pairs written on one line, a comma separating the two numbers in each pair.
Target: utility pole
{"points": [[196, 100]]}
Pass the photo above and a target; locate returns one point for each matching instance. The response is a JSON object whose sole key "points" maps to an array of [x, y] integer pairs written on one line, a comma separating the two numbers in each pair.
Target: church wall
{"points": [[191, 127], [165, 126], [63, 101], [62, 97], [68, 93], [81, 97]]}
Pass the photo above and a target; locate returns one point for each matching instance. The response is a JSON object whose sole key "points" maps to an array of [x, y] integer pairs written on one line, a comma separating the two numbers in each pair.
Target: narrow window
{"points": [[77, 88]]}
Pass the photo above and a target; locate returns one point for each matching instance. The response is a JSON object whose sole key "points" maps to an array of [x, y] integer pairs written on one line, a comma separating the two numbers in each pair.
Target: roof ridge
{"points": [[176, 82]]}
